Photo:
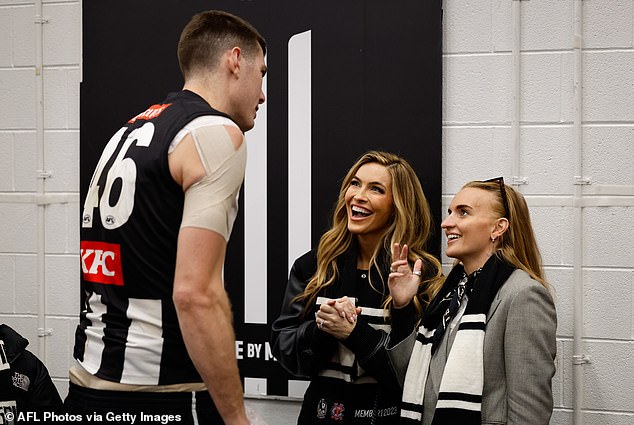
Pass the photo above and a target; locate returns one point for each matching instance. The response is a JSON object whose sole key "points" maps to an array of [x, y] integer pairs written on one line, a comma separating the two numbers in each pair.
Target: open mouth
{"points": [[453, 237], [359, 212]]}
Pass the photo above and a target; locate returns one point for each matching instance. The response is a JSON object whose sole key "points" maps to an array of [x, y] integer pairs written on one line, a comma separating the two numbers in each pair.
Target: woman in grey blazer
{"points": [[484, 350]]}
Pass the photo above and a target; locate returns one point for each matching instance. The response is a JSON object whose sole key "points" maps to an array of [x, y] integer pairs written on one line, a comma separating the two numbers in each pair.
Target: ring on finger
{"points": [[417, 272]]}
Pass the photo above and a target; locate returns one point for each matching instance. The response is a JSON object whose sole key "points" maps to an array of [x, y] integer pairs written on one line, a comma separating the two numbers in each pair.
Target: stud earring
{"points": [[492, 239]]}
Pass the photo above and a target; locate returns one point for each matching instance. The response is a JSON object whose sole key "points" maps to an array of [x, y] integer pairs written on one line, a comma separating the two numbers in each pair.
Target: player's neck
{"points": [[213, 92]]}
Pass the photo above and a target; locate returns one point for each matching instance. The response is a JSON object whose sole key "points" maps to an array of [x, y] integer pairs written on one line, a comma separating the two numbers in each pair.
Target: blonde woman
{"points": [[335, 317], [485, 350]]}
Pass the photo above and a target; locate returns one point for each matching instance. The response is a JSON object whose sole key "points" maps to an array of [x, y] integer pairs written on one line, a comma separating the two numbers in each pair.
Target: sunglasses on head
{"points": [[505, 201]]}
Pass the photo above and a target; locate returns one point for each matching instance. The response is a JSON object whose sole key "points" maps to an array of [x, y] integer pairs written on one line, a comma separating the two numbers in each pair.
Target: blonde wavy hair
{"points": [[517, 246], [411, 224]]}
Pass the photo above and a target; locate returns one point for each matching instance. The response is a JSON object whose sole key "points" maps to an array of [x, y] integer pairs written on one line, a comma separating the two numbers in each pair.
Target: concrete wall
{"points": [[478, 133], [19, 175]]}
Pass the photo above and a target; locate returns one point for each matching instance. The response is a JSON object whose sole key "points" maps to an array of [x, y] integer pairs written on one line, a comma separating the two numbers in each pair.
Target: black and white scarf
{"points": [[460, 396]]}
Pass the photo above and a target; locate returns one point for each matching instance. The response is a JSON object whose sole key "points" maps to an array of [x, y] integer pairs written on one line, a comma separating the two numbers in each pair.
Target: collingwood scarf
{"points": [[460, 396]]}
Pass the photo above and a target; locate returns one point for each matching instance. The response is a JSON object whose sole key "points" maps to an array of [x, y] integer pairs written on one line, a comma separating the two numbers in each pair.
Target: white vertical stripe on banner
{"points": [[299, 145], [255, 220]]}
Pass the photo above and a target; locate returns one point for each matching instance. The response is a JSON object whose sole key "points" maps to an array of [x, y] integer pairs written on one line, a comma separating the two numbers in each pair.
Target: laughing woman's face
{"points": [[369, 201]]}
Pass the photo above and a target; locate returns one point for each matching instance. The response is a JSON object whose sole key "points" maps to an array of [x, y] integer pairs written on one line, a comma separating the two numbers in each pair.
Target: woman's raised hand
{"points": [[403, 281]]}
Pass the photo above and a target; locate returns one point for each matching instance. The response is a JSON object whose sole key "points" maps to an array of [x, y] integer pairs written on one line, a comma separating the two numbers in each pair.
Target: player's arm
{"points": [[202, 305]]}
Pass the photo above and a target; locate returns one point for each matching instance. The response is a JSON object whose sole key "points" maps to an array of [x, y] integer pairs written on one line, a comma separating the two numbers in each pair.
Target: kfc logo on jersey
{"points": [[101, 263]]}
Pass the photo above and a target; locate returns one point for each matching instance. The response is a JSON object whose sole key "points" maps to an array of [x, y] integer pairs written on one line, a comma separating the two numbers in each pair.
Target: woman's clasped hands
{"points": [[337, 317]]}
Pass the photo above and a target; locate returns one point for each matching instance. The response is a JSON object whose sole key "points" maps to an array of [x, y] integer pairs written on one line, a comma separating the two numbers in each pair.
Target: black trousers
{"points": [[88, 406]]}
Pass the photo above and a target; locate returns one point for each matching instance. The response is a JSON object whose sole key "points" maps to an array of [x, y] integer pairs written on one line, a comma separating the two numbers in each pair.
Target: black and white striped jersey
{"points": [[128, 330]]}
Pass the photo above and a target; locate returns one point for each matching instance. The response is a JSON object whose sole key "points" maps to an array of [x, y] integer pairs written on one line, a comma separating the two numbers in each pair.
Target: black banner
{"points": [[375, 75]]}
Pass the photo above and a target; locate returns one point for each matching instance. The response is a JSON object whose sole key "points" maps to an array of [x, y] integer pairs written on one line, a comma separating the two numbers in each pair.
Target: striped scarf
{"points": [[460, 396]]}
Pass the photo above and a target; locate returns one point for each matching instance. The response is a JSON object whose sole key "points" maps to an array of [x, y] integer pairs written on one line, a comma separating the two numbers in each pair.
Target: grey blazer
{"points": [[519, 354]]}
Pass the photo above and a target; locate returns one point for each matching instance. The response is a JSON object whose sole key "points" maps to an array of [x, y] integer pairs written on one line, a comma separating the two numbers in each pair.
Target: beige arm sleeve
{"points": [[212, 202]]}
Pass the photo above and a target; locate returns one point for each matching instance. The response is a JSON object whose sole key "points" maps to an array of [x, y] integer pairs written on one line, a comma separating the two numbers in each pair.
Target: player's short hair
{"points": [[209, 34]]}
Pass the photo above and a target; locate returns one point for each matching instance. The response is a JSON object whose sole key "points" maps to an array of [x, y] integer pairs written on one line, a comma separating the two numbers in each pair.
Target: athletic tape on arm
{"points": [[212, 202]]}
